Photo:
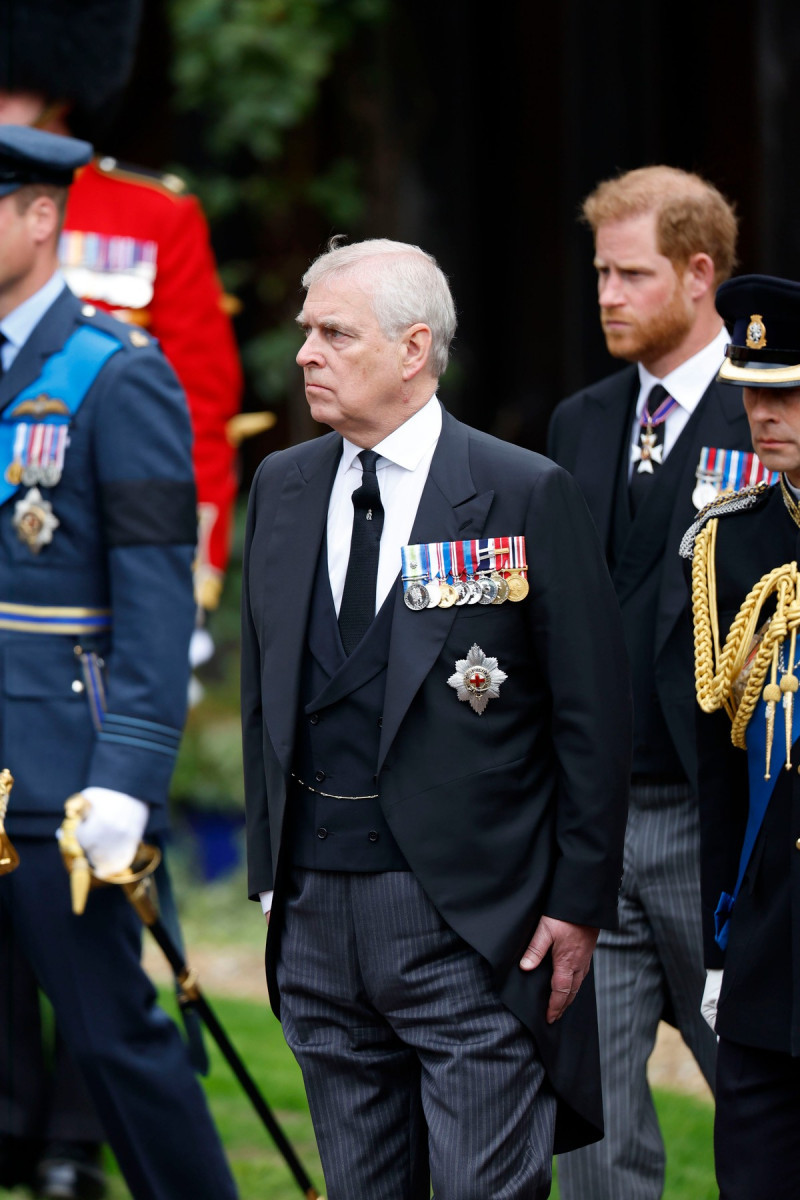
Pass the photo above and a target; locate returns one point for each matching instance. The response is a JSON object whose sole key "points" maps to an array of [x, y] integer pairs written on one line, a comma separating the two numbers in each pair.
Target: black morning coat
{"points": [[503, 816], [590, 436], [760, 1000]]}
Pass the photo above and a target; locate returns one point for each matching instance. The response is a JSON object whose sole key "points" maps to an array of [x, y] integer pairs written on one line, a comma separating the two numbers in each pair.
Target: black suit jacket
{"points": [[504, 816], [589, 435]]}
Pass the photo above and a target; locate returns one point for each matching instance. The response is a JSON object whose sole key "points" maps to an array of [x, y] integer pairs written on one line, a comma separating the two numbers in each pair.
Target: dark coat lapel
{"points": [[450, 509], [291, 554], [718, 420], [46, 338], [607, 414]]}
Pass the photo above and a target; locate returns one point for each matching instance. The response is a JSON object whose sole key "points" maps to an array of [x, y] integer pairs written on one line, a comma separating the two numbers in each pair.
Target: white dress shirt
{"points": [[402, 469], [687, 384]]}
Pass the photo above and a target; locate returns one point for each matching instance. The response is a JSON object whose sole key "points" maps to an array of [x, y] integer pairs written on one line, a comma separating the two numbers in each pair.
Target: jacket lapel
{"points": [[291, 554], [607, 416], [450, 509]]}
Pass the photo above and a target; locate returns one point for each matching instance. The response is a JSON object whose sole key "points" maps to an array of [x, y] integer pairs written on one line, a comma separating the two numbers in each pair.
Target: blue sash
{"points": [[67, 375], [761, 790]]}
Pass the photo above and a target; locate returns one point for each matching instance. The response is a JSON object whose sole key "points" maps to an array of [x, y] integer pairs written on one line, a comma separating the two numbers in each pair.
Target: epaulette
{"points": [[728, 502], [127, 335], [162, 181]]}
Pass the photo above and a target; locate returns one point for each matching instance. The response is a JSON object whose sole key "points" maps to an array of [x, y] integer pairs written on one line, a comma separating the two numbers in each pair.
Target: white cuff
{"points": [[266, 901]]}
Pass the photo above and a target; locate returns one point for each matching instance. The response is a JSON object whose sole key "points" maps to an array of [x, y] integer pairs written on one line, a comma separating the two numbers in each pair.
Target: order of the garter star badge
{"points": [[477, 679]]}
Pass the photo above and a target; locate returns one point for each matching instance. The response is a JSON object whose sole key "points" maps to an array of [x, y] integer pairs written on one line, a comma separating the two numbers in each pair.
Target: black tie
{"points": [[646, 467], [358, 599]]}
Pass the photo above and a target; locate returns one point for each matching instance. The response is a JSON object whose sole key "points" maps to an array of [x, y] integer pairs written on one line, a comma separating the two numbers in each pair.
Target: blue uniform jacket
{"points": [[121, 556]]}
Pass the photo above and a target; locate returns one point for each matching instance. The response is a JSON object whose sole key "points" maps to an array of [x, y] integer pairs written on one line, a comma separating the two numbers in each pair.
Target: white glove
{"points": [[708, 1005], [201, 647], [111, 833]]}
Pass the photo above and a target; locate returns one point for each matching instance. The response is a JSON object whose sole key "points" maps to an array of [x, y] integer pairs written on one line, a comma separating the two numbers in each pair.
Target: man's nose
{"points": [[609, 292], [309, 352]]}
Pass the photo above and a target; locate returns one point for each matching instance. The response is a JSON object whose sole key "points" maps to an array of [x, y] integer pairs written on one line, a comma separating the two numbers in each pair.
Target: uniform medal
{"points": [[477, 679], [34, 520]]}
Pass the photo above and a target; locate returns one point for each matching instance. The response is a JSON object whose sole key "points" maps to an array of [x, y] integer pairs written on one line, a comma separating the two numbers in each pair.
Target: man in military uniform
{"points": [[97, 527], [746, 597], [645, 446], [134, 243]]}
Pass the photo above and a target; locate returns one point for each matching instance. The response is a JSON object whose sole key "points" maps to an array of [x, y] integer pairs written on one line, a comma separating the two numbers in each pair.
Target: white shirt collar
{"points": [[21, 322], [407, 445], [688, 382]]}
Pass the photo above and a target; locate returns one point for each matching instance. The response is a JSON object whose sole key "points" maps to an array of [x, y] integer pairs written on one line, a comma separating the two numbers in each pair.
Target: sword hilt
{"points": [[9, 859], [81, 876]]}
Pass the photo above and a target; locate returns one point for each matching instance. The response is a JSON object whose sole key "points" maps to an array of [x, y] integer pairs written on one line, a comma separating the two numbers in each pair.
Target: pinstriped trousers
{"points": [[414, 1069], [652, 963]]}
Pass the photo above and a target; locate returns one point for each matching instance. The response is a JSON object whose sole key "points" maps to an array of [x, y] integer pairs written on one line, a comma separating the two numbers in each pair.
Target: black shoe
{"points": [[17, 1160], [70, 1171]]}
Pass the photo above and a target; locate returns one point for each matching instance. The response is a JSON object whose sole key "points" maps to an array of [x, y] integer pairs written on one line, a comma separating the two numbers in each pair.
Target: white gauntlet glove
{"points": [[708, 1005], [111, 833]]}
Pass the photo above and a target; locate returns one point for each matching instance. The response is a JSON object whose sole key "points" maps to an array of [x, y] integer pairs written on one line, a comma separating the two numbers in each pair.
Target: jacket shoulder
{"points": [[163, 183], [130, 337], [748, 499]]}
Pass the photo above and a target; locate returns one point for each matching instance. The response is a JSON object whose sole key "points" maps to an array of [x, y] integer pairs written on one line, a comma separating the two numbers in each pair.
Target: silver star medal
{"points": [[34, 520], [648, 453], [477, 679]]}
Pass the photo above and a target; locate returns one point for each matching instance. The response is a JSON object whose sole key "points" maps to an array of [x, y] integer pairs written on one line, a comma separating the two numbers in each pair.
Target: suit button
{"points": [[77, 686], [373, 835], [319, 776], [380, 722], [314, 718], [322, 833]]}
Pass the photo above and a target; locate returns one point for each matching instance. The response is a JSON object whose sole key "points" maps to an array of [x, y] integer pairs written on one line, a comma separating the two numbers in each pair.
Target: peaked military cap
{"points": [[33, 156], [764, 314]]}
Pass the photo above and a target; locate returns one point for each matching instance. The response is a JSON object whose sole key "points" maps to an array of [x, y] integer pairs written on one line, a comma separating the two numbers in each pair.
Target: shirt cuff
{"points": [[266, 901]]}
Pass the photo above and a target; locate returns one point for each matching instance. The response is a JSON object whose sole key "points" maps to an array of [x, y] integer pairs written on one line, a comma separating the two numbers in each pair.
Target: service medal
{"points": [[14, 474], [416, 597], [477, 679], [448, 596], [474, 591], [434, 590], [34, 520], [463, 592], [488, 590], [502, 589], [517, 586]]}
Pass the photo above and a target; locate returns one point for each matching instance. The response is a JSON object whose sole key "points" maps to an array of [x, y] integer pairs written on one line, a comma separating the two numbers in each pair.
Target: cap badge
{"points": [[756, 332], [477, 679]]}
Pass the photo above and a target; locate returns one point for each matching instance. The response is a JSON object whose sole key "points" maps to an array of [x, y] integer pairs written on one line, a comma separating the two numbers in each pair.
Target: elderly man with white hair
{"points": [[436, 733]]}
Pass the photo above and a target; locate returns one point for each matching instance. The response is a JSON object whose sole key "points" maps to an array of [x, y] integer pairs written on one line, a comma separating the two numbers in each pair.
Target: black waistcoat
{"points": [[336, 746], [653, 749]]}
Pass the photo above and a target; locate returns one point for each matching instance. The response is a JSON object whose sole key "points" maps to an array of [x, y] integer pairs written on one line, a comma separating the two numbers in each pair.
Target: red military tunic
{"points": [[137, 245]]}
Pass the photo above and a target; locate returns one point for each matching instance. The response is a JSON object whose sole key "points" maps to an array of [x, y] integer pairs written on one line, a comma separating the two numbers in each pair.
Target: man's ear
{"points": [[416, 342], [699, 275], [44, 218]]}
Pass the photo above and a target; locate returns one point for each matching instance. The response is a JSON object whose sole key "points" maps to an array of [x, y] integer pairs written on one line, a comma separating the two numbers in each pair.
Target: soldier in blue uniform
{"points": [[97, 531], [745, 550]]}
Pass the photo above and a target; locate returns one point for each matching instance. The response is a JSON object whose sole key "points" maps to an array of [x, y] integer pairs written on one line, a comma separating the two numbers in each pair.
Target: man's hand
{"points": [[111, 833], [572, 947], [708, 1005]]}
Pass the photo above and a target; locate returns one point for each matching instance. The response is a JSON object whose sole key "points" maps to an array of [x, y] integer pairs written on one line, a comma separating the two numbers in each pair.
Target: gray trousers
{"points": [[654, 960], [414, 1069]]}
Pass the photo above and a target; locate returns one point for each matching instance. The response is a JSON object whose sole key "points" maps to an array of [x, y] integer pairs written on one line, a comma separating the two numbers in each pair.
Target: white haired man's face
{"points": [[354, 375]]}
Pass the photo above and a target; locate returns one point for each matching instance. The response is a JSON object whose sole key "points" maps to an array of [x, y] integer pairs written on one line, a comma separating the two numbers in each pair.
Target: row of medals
{"points": [[492, 588], [33, 476]]}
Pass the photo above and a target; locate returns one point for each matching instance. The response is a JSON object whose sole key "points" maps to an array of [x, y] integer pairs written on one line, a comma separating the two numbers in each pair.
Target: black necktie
{"points": [[651, 448], [358, 599]]}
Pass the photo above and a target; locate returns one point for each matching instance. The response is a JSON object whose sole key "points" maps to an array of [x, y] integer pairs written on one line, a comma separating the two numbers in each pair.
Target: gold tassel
{"points": [[772, 694], [789, 685]]}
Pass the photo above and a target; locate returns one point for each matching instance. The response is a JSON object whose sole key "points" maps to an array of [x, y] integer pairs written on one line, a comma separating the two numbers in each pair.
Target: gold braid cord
{"points": [[717, 670]]}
